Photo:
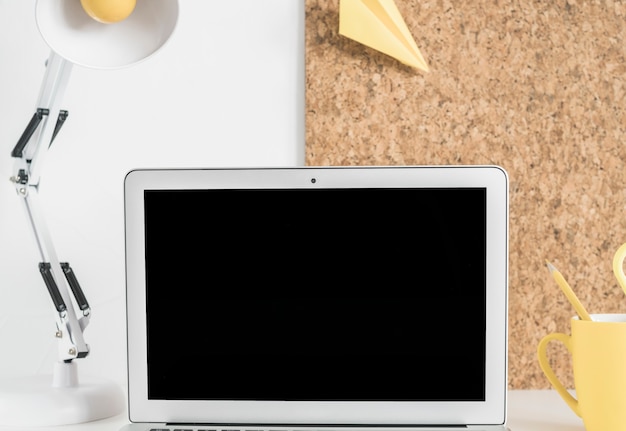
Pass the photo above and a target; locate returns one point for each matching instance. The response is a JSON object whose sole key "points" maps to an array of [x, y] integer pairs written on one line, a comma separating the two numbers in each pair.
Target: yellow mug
{"points": [[598, 349], [618, 266]]}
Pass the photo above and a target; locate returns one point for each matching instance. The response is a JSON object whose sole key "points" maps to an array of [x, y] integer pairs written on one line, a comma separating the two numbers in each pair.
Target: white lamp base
{"points": [[50, 400]]}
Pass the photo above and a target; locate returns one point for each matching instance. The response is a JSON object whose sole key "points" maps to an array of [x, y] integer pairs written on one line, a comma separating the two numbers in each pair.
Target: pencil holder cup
{"points": [[598, 350]]}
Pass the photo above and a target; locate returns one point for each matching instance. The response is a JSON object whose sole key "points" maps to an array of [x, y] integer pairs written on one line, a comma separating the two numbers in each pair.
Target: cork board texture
{"points": [[535, 87]]}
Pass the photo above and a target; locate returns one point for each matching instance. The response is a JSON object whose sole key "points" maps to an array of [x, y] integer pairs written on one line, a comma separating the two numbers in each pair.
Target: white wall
{"points": [[184, 107]]}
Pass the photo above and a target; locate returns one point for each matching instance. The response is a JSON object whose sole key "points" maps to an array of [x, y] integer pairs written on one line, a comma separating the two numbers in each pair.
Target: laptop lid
{"points": [[347, 296]]}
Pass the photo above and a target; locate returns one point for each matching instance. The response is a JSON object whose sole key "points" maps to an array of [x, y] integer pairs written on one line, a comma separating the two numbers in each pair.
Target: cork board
{"points": [[535, 87]]}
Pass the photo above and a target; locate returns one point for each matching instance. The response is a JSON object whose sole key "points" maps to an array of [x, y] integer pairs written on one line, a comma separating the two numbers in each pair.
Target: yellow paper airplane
{"points": [[379, 25]]}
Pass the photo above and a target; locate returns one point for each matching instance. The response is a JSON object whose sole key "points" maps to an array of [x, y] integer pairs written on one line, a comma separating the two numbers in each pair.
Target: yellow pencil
{"points": [[571, 296]]}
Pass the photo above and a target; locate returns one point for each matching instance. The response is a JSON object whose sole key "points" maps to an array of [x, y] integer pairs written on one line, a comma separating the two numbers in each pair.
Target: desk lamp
{"points": [[99, 34]]}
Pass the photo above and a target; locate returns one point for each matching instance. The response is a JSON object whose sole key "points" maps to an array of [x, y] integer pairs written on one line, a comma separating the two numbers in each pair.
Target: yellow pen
{"points": [[571, 296]]}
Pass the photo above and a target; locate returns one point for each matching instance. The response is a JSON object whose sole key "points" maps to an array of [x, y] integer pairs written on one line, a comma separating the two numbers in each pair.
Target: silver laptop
{"points": [[317, 298]]}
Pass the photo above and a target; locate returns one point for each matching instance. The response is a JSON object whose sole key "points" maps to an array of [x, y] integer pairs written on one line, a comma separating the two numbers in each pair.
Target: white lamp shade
{"points": [[75, 36]]}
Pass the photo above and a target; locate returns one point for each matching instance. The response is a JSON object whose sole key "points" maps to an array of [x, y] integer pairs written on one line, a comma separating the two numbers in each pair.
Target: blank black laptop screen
{"points": [[316, 294]]}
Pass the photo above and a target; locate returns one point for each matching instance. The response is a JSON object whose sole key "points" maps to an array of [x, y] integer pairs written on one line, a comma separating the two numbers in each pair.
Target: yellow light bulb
{"points": [[108, 11]]}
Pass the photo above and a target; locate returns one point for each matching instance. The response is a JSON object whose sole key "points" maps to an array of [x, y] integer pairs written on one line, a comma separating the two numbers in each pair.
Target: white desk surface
{"points": [[529, 410]]}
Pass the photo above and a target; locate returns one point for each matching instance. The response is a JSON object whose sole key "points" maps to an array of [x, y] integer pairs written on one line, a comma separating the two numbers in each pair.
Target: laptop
{"points": [[317, 298]]}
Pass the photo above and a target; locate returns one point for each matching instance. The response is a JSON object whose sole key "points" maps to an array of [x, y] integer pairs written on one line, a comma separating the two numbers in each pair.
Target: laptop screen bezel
{"points": [[490, 411]]}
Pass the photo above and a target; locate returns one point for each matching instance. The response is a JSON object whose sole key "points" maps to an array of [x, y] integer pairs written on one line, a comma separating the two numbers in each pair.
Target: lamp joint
{"points": [[20, 178]]}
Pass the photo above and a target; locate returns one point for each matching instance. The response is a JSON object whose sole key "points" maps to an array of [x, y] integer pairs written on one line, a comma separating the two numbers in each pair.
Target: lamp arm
{"points": [[52, 90], [58, 277], [29, 155]]}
